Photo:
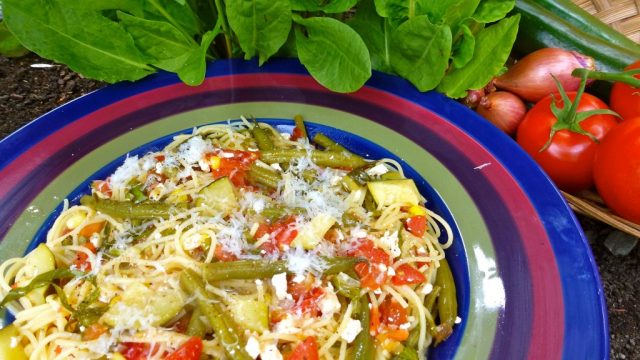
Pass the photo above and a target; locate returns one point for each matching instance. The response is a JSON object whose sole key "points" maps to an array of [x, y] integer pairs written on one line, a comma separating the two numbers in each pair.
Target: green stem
{"points": [[225, 27], [626, 77], [576, 100]]}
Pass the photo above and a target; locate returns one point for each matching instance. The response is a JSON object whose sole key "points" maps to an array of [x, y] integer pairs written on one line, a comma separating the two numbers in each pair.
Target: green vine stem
{"points": [[626, 77]]}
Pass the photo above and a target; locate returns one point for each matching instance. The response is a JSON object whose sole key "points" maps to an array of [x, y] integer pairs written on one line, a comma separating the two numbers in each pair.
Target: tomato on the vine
{"points": [[568, 159], [617, 169], [625, 99]]}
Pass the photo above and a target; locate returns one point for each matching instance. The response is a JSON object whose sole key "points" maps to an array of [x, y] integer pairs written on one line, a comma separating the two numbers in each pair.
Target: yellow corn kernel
{"points": [[416, 210], [214, 162], [392, 346], [177, 196], [75, 220]]}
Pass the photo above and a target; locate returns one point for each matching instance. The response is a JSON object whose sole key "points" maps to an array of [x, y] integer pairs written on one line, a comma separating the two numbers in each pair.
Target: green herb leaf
{"points": [[493, 10], [262, 26], [493, 46], [9, 45], [450, 12], [193, 71], [376, 34], [179, 15], [164, 45], [87, 312], [134, 7], [86, 41], [334, 53], [44, 279], [464, 47], [420, 52], [397, 11], [326, 6]]}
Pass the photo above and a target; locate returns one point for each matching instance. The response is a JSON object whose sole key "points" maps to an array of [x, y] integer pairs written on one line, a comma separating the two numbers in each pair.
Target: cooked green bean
{"points": [[328, 144], [261, 269], [128, 209], [263, 140], [196, 327], [363, 345], [430, 301], [322, 158], [264, 176], [223, 326], [349, 183], [346, 285], [447, 302], [300, 126], [274, 213]]}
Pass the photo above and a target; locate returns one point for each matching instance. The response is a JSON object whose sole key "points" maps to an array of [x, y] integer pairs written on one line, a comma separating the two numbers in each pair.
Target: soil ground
{"points": [[27, 92]]}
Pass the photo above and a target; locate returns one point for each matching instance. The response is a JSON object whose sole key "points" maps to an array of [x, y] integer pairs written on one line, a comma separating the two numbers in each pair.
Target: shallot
{"points": [[504, 109]]}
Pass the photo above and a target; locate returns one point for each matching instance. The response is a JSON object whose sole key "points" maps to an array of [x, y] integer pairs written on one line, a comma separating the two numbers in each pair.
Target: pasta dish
{"points": [[237, 242]]}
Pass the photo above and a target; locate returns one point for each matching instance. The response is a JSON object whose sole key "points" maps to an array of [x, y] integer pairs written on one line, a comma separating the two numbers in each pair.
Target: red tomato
{"points": [[392, 313], [190, 350], [137, 351], [284, 231], [374, 274], [306, 296], [416, 225], [82, 259], [306, 350], [407, 274], [625, 99], [103, 187], [617, 169], [296, 134], [569, 158], [222, 255]]}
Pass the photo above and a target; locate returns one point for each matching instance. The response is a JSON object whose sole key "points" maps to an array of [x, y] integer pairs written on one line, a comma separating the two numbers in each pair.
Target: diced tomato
{"points": [[102, 187], [306, 350], [93, 331], [296, 134], [392, 314], [374, 274], [284, 231], [222, 255], [306, 296], [407, 274], [159, 158], [91, 229], [263, 229], [417, 225], [190, 350], [235, 167], [137, 351], [58, 349], [82, 259]]}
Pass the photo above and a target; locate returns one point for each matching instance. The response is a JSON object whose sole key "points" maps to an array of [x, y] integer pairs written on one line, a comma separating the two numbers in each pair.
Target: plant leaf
{"points": [[194, 69], [420, 52], [449, 12], [464, 47], [334, 53], [179, 15], [493, 10], [164, 45], [262, 26], [86, 41], [135, 7], [9, 45], [493, 46], [376, 34], [44, 279], [326, 6]]}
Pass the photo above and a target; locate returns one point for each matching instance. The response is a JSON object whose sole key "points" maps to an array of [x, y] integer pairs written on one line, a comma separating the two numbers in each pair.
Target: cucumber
{"points": [[540, 28], [6, 350], [389, 192], [219, 196], [38, 261], [311, 235], [250, 313], [580, 18], [159, 306]]}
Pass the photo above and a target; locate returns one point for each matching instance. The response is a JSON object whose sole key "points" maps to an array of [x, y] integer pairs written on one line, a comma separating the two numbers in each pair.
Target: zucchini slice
{"points": [[38, 261], [11, 349], [140, 306], [219, 196], [389, 192]]}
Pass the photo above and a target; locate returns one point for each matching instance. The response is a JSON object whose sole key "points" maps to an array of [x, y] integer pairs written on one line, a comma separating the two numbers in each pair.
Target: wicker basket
{"points": [[622, 15]]}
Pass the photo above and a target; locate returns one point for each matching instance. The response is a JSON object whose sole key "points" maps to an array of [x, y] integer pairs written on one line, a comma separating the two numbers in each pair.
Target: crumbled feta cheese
{"points": [[391, 271], [270, 352], [377, 170], [351, 330], [426, 289], [127, 171], [390, 242], [194, 149], [359, 233], [405, 326], [288, 325], [258, 205], [253, 347], [329, 304], [279, 282]]}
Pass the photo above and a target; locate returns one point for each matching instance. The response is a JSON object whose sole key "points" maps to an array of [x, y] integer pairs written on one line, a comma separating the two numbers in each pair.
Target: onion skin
{"points": [[530, 78], [504, 110]]}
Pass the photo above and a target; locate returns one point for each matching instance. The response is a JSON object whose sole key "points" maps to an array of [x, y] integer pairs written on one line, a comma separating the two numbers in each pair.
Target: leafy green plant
{"points": [[449, 45]]}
